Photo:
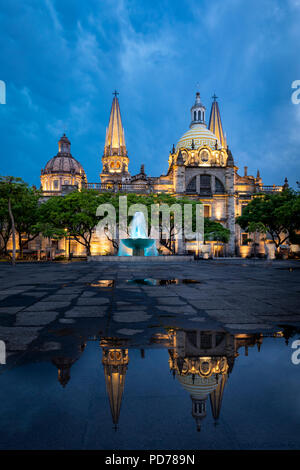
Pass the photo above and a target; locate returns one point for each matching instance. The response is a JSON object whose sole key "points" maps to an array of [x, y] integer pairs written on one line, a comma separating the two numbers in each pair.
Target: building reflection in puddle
{"points": [[201, 361], [115, 362], [64, 365]]}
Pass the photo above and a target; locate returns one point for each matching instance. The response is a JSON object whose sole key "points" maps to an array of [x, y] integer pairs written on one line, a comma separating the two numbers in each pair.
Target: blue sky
{"points": [[61, 61]]}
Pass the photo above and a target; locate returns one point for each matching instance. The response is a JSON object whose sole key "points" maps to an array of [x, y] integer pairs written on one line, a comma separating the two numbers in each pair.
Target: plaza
{"points": [[76, 330]]}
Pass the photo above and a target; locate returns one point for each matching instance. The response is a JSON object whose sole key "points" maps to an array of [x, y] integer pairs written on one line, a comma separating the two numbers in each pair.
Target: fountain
{"points": [[138, 244], [138, 247]]}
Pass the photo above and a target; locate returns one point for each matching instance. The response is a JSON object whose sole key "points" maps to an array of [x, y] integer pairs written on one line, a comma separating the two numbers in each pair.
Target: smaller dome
{"points": [[64, 164]]}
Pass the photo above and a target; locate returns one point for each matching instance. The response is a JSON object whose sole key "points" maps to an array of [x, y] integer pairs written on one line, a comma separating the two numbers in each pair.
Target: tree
{"points": [[5, 223], [73, 215], [278, 212], [26, 212], [257, 227], [214, 231], [11, 190]]}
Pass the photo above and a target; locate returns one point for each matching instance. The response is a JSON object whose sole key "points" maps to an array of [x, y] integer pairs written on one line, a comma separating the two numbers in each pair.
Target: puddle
{"points": [[190, 379], [162, 282], [290, 269], [102, 283]]}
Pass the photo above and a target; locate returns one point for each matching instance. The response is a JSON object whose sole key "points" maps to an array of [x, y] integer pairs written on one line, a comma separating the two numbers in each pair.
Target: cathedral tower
{"points": [[215, 123], [115, 363], [197, 111], [115, 159]]}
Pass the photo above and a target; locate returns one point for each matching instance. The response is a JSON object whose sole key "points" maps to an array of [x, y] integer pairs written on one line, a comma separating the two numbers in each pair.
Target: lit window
{"points": [[245, 239], [206, 210]]}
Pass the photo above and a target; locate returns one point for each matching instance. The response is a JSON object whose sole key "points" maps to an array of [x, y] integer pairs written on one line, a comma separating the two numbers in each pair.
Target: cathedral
{"points": [[200, 166]]}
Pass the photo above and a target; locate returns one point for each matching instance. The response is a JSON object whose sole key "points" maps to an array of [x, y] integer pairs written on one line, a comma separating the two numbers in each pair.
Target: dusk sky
{"points": [[61, 61]]}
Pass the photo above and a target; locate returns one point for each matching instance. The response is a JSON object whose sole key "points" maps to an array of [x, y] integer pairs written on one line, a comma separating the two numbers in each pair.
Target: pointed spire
{"points": [[115, 362], [179, 160], [215, 123], [115, 138], [216, 397]]}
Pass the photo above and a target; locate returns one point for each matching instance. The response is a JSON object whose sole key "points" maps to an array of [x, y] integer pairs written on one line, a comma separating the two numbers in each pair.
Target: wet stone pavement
{"points": [[52, 313]]}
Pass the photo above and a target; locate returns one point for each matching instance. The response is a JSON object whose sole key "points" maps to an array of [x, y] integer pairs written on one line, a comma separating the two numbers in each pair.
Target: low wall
{"points": [[144, 259]]}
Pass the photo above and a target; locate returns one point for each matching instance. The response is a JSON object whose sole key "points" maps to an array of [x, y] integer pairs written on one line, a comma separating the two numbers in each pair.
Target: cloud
{"points": [[53, 15], [62, 60]]}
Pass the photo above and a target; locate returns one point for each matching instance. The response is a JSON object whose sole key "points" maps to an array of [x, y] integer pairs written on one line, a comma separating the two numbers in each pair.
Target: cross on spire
{"points": [[115, 93], [214, 97]]}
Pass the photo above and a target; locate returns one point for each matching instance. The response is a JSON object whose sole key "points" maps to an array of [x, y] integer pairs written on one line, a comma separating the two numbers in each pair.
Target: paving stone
{"points": [[131, 307], [128, 331], [11, 310], [171, 301], [60, 298], [92, 301], [131, 317], [210, 304], [88, 294], [93, 312], [248, 326], [35, 318], [50, 346], [18, 338], [185, 310], [38, 295], [43, 306]]}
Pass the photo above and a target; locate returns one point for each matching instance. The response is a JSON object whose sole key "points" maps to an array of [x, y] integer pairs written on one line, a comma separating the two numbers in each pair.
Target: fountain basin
{"points": [[138, 245]]}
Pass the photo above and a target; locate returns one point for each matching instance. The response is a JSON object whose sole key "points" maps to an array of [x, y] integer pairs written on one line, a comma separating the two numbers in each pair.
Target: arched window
{"points": [[219, 187], [205, 185], [195, 115], [199, 115], [191, 187]]}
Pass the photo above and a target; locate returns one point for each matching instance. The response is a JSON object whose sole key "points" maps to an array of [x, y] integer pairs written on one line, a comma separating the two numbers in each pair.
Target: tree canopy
{"points": [[24, 212], [76, 214], [278, 212], [19, 206]]}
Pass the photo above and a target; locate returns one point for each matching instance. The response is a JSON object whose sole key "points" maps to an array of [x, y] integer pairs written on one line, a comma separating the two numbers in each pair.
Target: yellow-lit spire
{"points": [[216, 397], [115, 362], [115, 139], [215, 123]]}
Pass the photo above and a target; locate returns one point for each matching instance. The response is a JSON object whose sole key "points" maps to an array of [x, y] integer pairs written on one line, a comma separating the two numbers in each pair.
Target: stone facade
{"points": [[200, 166]]}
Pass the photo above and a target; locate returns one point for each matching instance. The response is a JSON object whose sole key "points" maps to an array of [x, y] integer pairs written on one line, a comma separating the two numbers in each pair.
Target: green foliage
{"points": [[215, 231], [18, 211], [72, 215], [276, 213]]}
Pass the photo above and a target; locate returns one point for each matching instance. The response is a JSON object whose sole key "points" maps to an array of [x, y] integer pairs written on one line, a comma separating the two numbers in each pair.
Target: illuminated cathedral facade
{"points": [[201, 167]]}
